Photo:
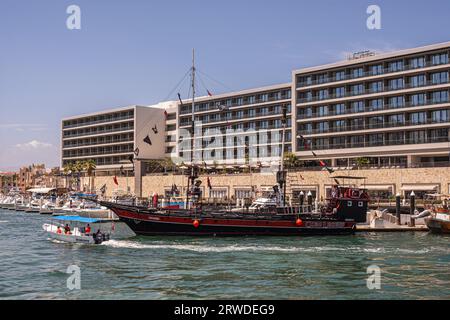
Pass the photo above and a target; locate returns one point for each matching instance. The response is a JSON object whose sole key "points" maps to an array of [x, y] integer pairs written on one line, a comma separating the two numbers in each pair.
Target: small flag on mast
{"points": [[209, 93], [115, 181]]}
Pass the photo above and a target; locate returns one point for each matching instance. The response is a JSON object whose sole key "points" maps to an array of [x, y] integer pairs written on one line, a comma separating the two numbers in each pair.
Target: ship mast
{"points": [[192, 175], [281, 176]]}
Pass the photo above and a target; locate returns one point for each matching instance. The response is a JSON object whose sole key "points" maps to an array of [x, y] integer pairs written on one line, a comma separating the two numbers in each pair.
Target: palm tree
{"points": [[291, 160], [360, 162], [90, 165], [68, 170]]}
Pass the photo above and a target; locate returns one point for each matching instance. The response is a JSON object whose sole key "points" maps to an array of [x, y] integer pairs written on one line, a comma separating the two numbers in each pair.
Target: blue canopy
{"points": [[77, 219]]}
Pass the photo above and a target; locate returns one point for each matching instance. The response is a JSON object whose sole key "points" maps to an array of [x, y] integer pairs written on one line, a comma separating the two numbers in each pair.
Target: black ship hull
{"points": [[156, 223]]}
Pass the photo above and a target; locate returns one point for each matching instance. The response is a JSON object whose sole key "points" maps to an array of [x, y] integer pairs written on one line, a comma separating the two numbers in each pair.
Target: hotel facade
{"points": [[391, 110]]}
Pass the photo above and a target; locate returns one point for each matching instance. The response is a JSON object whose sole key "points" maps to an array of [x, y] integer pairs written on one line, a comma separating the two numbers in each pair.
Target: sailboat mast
{"points": [[193, 108]]}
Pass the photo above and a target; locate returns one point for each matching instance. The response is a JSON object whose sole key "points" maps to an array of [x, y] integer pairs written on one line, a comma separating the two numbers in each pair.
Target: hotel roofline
{"points": [[376, 57], [113, 110], [239, 93]]}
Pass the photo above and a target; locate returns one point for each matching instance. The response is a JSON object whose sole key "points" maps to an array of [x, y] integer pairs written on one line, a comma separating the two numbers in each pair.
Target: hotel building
{"points": [[111, 137], [237, 128], [391, 108], [387, 111]]}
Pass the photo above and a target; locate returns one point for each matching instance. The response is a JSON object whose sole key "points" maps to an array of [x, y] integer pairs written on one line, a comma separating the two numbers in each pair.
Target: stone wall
{"points": [[296, 180]]}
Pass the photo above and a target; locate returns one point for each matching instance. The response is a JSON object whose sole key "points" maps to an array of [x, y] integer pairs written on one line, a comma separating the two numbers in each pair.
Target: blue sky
{"points": [[134, 52]]}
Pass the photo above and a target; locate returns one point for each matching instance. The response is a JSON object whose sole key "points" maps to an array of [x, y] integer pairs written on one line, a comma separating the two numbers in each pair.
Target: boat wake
{"points": [[126, 244]]}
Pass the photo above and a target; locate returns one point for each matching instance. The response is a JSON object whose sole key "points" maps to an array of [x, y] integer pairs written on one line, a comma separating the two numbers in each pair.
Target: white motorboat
{"points": [[78, 229]]}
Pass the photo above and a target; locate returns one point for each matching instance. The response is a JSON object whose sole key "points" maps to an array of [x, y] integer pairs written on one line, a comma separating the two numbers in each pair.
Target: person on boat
{"points": [[59, 231], [87, 230], [67, 229]]}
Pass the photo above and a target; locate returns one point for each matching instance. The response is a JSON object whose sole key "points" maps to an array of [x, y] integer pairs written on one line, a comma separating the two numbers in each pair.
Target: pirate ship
{"points": [[346, 207]]}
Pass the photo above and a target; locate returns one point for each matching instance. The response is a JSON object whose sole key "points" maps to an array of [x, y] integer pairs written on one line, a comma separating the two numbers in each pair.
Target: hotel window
{"points": [[322, 78], [251, 113], [306, 128], [376, 86], [439, 77], [417, 136], [339, 75], [417, 81], [264, 111], [439, 116], [439, 58], [229, 102], [322, 126], [230, 154], [395, 138], [241, 153], [322, 143], [439, 96], [276, 110], [277, 95], [395, 66], [339, 92], [397, 102], [396, 119], [357, 72], [418, 118], [357, 124], [322, 111], [322, 94], [305, 112], [357, 141], [339, 125], [396, 84], [264, 124], [277, 123], [240, 101], [251, 99], [376, 70], [357, 106], [415, 63], [376, 104], [439, 135], [357, 89], [252, 125], [339, 108], [418, 99], [338, 142], [375, 139], [375, 122], [264, 97]]}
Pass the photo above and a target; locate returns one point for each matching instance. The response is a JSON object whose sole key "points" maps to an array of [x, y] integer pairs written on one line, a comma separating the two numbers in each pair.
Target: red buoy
{"points": [[196, 223], [299, 222]]}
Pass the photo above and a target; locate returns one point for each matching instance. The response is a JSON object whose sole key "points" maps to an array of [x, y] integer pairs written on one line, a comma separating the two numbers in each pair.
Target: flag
{"points": [[314, 154], [322, 164], [208, 181], [179, 98], [209, 93], [330, 170], [147, 140], [103, 189], [115, 181], [136, 152]]}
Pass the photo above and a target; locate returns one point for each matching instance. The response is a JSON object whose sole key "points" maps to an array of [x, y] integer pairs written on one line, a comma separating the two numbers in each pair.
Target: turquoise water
{"points": [[413, 266]]}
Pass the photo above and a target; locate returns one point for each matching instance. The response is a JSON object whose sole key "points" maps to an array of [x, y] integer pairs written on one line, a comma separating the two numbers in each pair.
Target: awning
{"points": [[379, 187], [77, 219], [40, 190], [420, 187]]}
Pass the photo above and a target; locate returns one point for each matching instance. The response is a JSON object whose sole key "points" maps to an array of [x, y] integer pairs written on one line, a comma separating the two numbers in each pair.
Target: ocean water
{"points": [[412, 265]]}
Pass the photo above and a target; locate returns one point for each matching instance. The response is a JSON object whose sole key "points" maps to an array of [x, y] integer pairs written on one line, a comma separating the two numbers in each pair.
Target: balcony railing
{"points": [[107, 120], [248, 117], [97, 132], [247, 103], [367, 109], [349, 94], [76, 145], [369, 126], [368, 144], [97, 153], [384, 71]]}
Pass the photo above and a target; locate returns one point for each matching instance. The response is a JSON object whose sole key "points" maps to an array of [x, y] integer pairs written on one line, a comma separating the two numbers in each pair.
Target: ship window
{"points": [[349, 203], [360, 204]]}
